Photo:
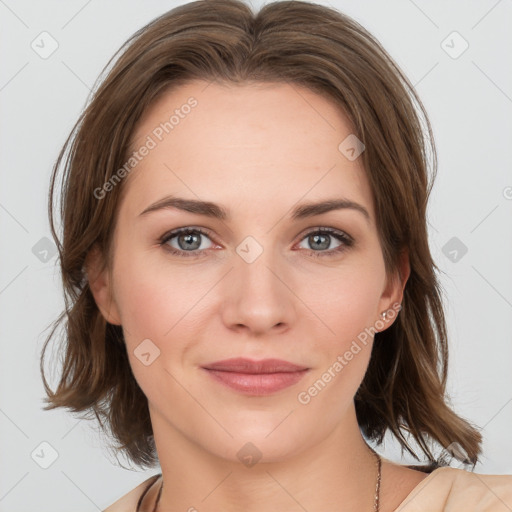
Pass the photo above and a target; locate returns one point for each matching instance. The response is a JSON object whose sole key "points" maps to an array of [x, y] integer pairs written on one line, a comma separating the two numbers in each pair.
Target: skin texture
{"points": [[258, 150]]}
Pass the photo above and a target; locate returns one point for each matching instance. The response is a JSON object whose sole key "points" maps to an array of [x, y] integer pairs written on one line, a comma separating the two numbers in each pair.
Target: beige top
{"points": [[444, 490]]}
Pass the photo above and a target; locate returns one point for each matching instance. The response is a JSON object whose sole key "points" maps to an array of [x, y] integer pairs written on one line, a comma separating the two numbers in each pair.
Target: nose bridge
{"points": [[253, 265], [257, 273], [257, 295]]}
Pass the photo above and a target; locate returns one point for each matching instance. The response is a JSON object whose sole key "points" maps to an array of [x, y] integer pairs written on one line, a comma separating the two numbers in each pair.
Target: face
{"points": [[269, 279]]}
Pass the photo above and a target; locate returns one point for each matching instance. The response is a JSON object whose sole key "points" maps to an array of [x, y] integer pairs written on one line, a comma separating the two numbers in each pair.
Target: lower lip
{"points": [[259, 383]]}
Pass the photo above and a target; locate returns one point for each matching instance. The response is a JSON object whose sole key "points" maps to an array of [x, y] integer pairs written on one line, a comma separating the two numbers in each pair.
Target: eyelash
{"points": [[346, 240]]}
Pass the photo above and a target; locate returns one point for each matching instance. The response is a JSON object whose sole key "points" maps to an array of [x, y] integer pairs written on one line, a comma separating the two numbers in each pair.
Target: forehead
{"points": [[249, 145]]}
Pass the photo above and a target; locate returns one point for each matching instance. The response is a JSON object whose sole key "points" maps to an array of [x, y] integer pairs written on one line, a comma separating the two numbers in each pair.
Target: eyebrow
{"points": [[216, 211]]}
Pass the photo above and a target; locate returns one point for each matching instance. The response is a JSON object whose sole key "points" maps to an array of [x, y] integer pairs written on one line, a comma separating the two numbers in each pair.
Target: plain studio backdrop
{"points": [[455, 53]]}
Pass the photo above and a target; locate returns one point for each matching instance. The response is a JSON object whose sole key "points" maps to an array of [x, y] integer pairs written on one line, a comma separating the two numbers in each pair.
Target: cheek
{"points": [[348, 300], [346, 308], [345, 352], [152, 302], [152, 307]]}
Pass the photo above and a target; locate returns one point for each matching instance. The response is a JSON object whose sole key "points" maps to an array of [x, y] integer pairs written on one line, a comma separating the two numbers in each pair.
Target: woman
{"points": [[250, 291]]}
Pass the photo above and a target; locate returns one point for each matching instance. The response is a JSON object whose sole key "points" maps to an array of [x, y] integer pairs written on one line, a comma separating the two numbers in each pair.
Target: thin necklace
{"points": [[376, 503]]}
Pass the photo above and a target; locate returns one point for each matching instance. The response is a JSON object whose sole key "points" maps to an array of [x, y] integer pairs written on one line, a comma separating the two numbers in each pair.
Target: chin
{"points": [[261, 445]]}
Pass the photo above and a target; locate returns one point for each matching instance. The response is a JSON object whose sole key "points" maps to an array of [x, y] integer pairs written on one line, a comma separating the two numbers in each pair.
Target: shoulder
{"points": [[129, 502], [449, 488], [482, 492]]}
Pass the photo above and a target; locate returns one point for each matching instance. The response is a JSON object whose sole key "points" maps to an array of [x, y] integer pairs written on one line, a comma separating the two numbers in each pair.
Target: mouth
{"points": [[256, 377]]}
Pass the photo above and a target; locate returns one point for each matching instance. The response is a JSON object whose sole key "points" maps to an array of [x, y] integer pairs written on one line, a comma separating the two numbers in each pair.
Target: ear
{"points": [[393, 294], [100, 284]]}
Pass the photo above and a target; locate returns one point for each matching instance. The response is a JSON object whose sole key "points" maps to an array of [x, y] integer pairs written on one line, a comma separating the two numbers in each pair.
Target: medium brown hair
{"points": [[298, 43]]}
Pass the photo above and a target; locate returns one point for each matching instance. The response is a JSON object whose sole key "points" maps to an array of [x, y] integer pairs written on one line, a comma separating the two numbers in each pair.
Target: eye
{"points": [[320, 239], [187, 241]]}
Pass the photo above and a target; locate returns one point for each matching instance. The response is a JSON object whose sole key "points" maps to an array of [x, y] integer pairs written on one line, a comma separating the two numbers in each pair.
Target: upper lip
{"points": [[243, 365]]}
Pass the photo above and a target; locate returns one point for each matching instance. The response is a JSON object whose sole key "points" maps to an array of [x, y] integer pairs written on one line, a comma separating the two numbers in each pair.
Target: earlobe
{"points": [[100, 284]]}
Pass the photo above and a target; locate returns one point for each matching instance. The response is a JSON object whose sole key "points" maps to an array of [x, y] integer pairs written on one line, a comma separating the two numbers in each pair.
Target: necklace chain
{"points": [[376, 501]]}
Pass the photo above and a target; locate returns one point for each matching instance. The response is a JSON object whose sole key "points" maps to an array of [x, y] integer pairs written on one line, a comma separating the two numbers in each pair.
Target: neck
{"points": [[338, 473]]}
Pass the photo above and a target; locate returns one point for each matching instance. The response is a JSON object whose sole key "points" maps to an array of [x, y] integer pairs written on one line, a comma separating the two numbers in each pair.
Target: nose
{"points": [[258, 296]]}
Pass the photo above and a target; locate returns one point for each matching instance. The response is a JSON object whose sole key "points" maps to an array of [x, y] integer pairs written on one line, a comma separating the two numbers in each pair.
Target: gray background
{"points": [[469, 102]]}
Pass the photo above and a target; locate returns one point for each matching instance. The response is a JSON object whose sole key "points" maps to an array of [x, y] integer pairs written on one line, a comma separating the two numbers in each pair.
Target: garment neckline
{"points": [[148, 492], [158, 481]]}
